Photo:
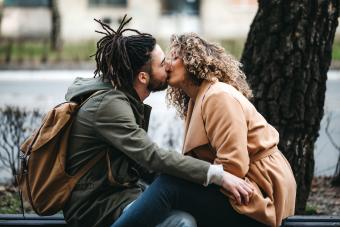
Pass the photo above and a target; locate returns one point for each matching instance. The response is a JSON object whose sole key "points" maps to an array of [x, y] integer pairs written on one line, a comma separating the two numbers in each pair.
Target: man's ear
{"points": [[143, 77]]}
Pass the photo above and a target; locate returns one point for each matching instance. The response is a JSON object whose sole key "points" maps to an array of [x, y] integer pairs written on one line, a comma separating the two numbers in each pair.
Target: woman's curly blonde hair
{"points": [[204, 61]]}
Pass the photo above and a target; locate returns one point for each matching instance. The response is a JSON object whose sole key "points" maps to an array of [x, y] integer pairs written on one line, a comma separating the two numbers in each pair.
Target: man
{"points": [[115, 121]]}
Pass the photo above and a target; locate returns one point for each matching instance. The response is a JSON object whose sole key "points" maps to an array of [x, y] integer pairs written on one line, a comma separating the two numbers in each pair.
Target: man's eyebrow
{"points": [[162, 61]]}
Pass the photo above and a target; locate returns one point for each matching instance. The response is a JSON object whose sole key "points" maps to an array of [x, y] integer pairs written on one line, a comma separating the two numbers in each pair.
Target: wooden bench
{"points": [[311, 220], [58, 220], [31, 220]]}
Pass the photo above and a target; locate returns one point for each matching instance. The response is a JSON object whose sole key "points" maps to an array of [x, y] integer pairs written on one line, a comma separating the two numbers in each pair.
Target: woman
{"points": [[210, 91]]}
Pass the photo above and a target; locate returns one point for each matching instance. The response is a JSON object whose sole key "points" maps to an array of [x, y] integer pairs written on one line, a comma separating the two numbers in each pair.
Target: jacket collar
{"points": [[194, 132], [141, 111]]}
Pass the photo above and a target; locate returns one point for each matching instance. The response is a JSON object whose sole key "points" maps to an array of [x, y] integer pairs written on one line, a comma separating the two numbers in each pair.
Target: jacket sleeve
{"points": [[115, 124], [226, 128]]}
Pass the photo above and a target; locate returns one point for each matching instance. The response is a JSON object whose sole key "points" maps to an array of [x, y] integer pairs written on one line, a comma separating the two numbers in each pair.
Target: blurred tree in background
{"points": [[16, 124], [55, 33], [336, 177], [286, 58], [1, 13]]}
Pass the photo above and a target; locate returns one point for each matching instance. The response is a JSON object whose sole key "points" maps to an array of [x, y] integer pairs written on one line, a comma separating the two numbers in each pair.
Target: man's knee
{"points": [[178, 219], [171, 181]]}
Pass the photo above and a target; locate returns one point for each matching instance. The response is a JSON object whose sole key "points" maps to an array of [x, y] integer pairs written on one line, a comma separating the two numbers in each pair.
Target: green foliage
{"points": [[80, 51], [311, 210], [77, 51], [234, 46], [9, 203], [41, 51], [336, 50]]}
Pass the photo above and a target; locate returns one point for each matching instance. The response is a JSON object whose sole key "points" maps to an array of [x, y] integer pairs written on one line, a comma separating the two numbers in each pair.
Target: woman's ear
{"points": [[143, 77]]}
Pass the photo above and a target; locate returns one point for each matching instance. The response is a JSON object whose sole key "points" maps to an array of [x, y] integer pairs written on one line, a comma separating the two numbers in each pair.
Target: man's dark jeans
{"points": [[206, 204]]}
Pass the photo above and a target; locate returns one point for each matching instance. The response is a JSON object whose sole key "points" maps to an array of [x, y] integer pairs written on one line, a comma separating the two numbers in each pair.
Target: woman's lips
{"points": [[168, 77]]}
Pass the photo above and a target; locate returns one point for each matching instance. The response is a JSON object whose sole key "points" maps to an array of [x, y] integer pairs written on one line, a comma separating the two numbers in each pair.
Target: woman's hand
{"points": [[236, 188]]}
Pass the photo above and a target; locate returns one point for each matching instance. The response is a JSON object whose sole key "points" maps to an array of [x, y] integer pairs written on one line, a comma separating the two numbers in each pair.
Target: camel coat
{"points": [[223, 127]]}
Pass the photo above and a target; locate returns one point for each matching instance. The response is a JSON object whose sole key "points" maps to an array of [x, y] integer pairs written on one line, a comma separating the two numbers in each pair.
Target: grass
{"points": [[40, 51], [311, 210], [79, 51], [10, 203], [336, 50], [234, 47]]}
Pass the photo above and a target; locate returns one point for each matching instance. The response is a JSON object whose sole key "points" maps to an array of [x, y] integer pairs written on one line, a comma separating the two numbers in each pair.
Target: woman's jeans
{"points": [[206, 204]]}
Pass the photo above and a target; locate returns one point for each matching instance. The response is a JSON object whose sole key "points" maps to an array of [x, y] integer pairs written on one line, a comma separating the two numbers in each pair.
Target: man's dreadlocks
{"points": [[120, 58]]}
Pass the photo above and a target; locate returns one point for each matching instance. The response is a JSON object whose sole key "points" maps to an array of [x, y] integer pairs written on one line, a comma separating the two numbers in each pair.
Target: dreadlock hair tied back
{"points": [[119, 58]]}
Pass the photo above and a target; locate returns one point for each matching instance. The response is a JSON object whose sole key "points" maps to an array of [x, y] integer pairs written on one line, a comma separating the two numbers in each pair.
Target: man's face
{"points": [[158, 75]]}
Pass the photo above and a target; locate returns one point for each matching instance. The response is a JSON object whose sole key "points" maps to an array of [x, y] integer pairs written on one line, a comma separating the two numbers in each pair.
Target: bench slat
{"points": [[323, 218], [57, 220], [30, 217], [50, 223], [311, 224]]}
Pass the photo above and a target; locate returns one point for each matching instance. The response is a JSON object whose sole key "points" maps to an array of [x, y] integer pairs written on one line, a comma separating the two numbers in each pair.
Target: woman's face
{"points": [[176, 72]]}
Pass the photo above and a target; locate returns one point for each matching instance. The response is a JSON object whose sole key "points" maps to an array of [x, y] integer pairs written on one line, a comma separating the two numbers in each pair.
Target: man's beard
{"points": [[156, 85]]}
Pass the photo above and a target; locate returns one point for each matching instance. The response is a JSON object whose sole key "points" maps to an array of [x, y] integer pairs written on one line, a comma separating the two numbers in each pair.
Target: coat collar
{"points": [[195, 134], [141, 111]]}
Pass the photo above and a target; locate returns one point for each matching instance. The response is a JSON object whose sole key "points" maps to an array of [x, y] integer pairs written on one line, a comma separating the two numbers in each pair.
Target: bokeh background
{"points": [[45, 44]]}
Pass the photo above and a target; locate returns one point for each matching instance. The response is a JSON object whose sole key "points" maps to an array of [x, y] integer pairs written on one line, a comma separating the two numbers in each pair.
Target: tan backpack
{"points": [[42, 179]]}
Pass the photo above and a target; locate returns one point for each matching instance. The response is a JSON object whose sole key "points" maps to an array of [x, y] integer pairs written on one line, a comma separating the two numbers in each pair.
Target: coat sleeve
{"points": [[226, 128], [115, 124]]}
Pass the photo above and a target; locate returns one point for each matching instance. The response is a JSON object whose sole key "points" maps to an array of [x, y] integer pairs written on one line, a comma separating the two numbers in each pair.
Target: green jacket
{"points": [[115, 122]]}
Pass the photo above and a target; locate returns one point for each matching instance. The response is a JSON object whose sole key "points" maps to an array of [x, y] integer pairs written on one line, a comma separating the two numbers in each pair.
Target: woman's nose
{"points": [[168, 66]]}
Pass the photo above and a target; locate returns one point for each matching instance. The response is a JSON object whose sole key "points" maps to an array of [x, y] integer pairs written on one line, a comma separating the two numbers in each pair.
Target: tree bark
{"points": [[286, 58]]}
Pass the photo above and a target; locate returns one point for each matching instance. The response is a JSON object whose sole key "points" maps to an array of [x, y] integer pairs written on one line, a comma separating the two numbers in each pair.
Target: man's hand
{"points": [[236, 188]]}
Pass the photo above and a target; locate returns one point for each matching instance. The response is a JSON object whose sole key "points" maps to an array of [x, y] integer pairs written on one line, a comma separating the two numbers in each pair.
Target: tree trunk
{"points": [[1, 13], [286, 58], [55, 33]]}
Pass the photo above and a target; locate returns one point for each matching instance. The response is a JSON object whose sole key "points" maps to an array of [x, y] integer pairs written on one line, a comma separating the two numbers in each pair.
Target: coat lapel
{"points": [[195, 134], [187, 120]]}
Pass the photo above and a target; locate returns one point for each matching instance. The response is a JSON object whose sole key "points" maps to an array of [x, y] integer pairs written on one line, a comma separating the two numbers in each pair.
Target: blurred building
{"points": [[25, 19], [215, 19]]}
